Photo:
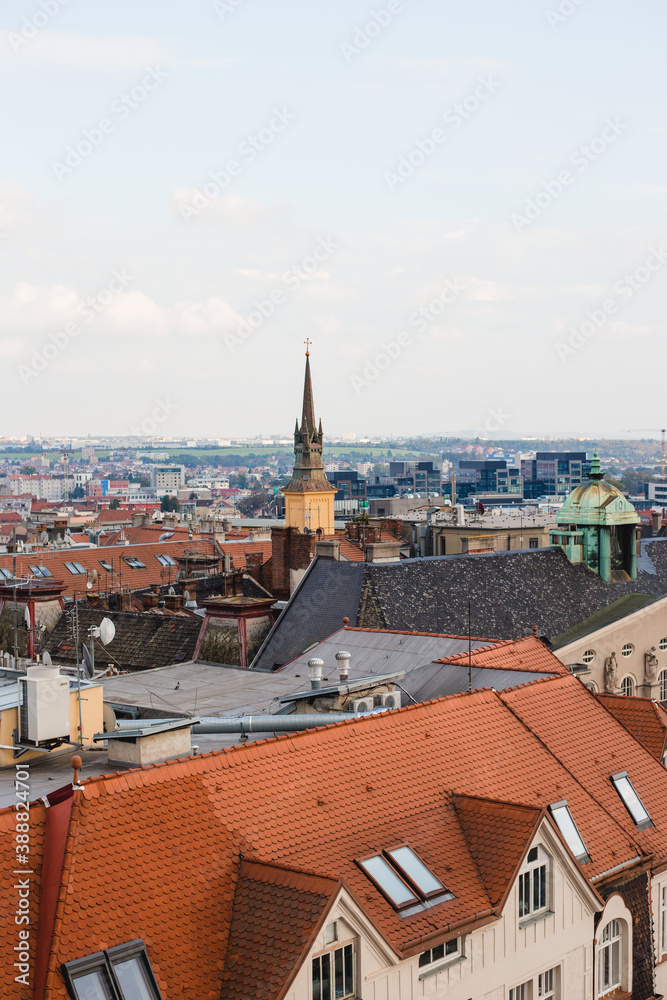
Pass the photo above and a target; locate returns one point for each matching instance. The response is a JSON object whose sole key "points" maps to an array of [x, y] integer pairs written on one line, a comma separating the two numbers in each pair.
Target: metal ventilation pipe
{"points": [[257, 723], [343, 659], [315, 668]]}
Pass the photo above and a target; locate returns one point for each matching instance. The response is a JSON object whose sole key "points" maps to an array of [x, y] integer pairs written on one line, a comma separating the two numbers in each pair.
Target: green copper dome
{"points": [[597, 502]]}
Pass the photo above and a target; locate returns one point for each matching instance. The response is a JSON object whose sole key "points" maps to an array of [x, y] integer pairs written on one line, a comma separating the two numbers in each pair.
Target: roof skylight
{"points": [[75, 568], [388, 882], [565, 823], [631, 800], [134, 563], [403, 878], [421, 877]]}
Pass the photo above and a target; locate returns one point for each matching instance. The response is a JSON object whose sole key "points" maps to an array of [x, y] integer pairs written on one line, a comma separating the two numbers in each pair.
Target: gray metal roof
{"points": [[379, 652], [436, 680]]}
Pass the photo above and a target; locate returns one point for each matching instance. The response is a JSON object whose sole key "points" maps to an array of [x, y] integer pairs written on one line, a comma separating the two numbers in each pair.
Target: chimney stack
{"points": [[343, 660]]}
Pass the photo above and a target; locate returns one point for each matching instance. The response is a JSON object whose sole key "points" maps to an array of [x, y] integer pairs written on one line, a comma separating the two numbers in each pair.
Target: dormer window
{"points": [[534, 884]]}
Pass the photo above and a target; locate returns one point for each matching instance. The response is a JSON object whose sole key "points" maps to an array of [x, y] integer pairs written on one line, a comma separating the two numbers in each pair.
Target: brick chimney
{"points": [[173, 602]]}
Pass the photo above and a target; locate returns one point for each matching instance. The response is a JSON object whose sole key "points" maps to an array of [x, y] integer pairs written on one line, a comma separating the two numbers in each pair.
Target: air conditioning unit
{"points": [[44, 705], [362, 704], [390, 700]]}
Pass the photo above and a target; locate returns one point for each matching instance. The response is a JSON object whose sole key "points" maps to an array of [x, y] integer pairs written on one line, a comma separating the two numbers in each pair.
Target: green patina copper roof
{"points": [[597, 502]]}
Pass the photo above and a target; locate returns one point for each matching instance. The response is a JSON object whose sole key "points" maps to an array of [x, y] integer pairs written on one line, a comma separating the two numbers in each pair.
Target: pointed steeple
{"points": [[308, 475], [308, 412]]}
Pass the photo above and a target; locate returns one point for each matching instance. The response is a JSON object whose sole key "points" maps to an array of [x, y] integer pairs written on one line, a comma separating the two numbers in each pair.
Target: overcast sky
{"points": [[461, 204]]}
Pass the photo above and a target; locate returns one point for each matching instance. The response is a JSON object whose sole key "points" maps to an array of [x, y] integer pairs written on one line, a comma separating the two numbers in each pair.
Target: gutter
{"points": [[617, 868], [478, 919]]}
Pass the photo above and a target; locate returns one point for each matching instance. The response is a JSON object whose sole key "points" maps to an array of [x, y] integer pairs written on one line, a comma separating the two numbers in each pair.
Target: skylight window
{"points": [[106, 565], [134, 563], [165, 560], [403, 878], [631, 800], [120, 973], [75, 568], [416, 871], [388, 882], [40, 571], [6, 574], [565, 823]]}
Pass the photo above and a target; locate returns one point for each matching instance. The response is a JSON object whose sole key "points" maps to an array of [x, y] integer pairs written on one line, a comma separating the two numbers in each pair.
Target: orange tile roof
{"points": [[575, 727], [275, 914], [528, 653], [122, 576], [320, 799], [498, 834], [9, 988], [644, 718]]}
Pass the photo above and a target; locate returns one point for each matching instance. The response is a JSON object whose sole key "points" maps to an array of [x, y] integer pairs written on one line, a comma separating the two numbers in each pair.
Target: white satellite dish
{"points": [[46, 659], [107, 631], [89, 586], [108, 718], [26, 615]]}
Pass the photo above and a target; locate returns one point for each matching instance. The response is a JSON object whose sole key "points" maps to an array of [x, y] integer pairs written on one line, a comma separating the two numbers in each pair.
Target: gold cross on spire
{"points": [[307, 343]]}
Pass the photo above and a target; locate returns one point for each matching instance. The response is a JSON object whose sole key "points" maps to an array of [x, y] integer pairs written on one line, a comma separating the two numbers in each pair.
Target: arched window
{"points": [[662, 677], [609, 958], [628, 686]]}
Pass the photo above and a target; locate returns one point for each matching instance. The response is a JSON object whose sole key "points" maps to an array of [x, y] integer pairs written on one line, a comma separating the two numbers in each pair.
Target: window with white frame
{"points": [[521, 992], [333, 974], [442, 952], [628, 686], [628, 649], [547, 984], [609, 958], [663, 643], [534, 884], [662, 677], [588, 656], [631, 800]]}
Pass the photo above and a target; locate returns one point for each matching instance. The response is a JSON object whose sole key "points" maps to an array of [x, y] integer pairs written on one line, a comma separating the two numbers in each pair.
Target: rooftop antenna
{"points": [[469, 652]]}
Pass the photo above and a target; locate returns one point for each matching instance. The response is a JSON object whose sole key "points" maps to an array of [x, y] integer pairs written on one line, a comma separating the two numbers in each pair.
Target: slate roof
{"points": [[510, 592], [274, 916], [142, 640], [320, 799], [315, 610], [644, 718]]}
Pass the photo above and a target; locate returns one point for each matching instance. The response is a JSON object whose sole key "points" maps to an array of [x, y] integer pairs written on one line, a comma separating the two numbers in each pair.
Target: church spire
{"points": [[308, 413]]}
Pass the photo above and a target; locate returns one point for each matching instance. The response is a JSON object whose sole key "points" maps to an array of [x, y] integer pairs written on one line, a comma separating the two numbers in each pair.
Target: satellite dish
{"points": [[89, 586], [186, 596], [87, 663], [46, 659], [107, 631], [108, 718], [26, 615], [171, 592]]}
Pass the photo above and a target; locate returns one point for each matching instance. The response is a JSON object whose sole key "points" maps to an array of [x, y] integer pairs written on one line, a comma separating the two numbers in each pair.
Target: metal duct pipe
{"points": [[256, 723]]}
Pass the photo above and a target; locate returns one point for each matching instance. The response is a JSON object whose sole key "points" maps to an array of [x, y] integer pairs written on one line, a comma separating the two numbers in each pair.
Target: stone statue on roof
{"points": [[650, 666], [611, 673]]}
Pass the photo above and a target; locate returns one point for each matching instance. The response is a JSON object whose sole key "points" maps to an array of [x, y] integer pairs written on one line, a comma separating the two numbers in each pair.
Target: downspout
{"points": [[58, 816]]}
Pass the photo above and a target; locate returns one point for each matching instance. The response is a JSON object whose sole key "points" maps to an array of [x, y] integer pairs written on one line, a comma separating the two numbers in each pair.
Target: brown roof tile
{"points": [[644, 718]]}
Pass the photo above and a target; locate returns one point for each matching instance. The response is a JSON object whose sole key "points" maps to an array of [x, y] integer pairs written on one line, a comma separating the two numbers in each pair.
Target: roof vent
{"points": [[315, 667], [343, 659]]}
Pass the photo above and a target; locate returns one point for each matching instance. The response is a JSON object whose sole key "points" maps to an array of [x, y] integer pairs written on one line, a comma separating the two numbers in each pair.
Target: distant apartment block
{"points": [[552, 473], [167, 478]]}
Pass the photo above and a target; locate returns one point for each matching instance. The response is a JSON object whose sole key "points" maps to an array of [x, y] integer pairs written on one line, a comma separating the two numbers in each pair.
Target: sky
{"points": [[462, 206]]}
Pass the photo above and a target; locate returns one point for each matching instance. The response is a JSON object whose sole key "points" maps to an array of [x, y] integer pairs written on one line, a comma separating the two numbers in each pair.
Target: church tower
{"points": [[309, 495]]}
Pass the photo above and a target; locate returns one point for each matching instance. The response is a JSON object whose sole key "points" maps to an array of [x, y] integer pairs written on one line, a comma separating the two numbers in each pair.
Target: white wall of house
{"points": [[659, 907], [641, 630], [495, 958]]}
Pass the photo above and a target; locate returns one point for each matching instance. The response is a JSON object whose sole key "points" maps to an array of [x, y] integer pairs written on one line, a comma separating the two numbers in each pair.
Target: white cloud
{"points": [[230, 209], [63, 50]]}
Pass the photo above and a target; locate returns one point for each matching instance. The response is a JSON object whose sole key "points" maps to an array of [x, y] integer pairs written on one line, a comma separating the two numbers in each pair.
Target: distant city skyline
{"points": [[461, 206]]}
